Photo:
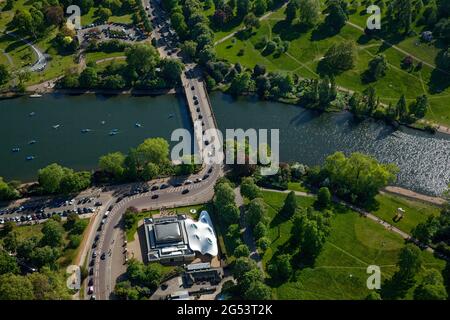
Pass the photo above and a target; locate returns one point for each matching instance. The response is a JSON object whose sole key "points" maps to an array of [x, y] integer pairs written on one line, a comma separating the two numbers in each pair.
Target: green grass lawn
{"points": [[96, 56], [90, 17], [297, 186], [416, 211], [19, 52], [307, 47], [339, 271], [7, 16]]}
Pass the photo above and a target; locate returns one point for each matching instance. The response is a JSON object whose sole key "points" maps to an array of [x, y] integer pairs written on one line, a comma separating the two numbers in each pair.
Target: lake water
{"points": [[305, 136]]}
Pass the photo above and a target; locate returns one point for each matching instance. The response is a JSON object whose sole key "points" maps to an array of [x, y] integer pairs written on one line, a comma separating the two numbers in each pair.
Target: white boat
{"points": [[56, 126], [36, 95], [17, 149], [29, 158], [32, 114], [138, 125], [32, 142], [85, 130]]}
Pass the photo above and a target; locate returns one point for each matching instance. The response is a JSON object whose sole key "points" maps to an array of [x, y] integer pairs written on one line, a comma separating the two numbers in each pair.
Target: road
{"points": [[41, 61], [111, 237]]}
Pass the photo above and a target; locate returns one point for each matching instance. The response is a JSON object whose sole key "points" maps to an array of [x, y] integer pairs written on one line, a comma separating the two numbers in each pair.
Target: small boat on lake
{"points": [[32, 142], [171, 115], [56, 126], [113, 132], [17, 149], [32, 114], [85, 130], [36, 95], [138, 125], [29, 158], [103, 122]]}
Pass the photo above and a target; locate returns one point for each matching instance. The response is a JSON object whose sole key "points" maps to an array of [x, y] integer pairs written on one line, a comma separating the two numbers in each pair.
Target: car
{"points": [[192, 88], [103, 256], [154, 188], [94, 255], [92, 263], [107, 213], [188, 182], [91, 282], [110, 208], [185, 191], [91, 290], [103, 221], [195, 97], [177, 184], [164, 186], [91, 271], [98, 204], [119, 199], [196, 102], [93, 297], [206, 176], [155, 196]]}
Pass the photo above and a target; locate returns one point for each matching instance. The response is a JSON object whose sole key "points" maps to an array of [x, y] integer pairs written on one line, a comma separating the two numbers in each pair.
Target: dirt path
{"points": [[414, 195]]}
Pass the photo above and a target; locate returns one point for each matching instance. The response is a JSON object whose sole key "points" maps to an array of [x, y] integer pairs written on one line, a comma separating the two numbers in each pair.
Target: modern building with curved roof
{"points": [[179, 239]]}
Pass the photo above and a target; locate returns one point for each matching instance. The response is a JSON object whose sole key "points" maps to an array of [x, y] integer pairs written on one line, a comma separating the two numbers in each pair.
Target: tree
{"points": [[291, 11], [431, 287], [258, 291], [373, 295], [53, 234], [15, 287], [290, 205], [113, 82], [75, 181], [49, 285], [241, 251], [142, 60], [241, 266], [8, 264], [340, 57], [410, 260], [104, 14], [242, 7], [125, 291], [323, 198], [229, 213], [50, 178], [336, 17], [45, 256], [377, 68], [251, 21], [309, 12], [113, 163], [88, 78], [281, 268], [402, 107], [249, 189], [260, 230], [224, 195], [240, 84], [7, 191], [310, 235], [4, 74], [171, 71], [260, 7], [54, 15], [189, 48], [420, 106], [151, 171], [256, 212], [154, 150]]}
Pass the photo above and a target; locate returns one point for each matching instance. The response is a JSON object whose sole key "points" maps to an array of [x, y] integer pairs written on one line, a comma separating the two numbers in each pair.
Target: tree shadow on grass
{"points": [[288, 31], [323, 31]]}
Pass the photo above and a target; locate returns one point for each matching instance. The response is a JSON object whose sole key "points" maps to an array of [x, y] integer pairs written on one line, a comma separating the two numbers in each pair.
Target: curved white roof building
{"points": [[201, 235]]}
